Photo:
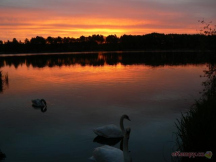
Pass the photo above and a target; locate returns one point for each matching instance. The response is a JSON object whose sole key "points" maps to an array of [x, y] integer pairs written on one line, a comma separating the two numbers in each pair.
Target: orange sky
{"points": [[66, 18]]}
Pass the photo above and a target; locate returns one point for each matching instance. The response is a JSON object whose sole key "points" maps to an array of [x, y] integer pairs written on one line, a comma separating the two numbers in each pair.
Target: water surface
{"points": [[85, 91]]}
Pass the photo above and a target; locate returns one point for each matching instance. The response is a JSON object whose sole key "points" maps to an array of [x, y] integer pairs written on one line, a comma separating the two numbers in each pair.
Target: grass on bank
{"points": [[197, 129]]}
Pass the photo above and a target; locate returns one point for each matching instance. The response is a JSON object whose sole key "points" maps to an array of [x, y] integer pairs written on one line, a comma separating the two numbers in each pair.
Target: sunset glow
{"points": [[27, 19]]}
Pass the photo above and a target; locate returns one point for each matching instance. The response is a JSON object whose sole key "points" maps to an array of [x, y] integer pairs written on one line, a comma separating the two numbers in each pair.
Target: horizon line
{"points": [[105, 36]]}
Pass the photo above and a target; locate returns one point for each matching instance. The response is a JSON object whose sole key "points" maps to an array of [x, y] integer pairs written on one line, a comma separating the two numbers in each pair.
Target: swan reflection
{"points": [[107, 141], [107, 153], [43, 109]]}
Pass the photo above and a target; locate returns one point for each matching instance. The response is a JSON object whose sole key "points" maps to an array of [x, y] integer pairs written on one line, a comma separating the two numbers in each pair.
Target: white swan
{"points": [[39, 103], [112, 131], [111, 154]]}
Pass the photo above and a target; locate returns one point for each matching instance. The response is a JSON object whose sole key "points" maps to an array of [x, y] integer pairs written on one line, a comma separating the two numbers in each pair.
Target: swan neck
{"points": [[43, 102]]}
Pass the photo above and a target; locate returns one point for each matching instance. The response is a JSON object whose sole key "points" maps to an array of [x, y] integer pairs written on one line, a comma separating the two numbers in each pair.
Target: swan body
{"points": [[112, 131], [109, 131], [39, 103], [111, 154]]}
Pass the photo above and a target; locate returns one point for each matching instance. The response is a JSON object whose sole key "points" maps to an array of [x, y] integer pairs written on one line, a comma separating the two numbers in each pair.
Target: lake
{"points": [[87, 90]]}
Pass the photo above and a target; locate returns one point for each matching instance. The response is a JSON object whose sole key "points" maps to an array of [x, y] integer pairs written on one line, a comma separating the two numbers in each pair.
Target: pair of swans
{"points": [[112, 131], [111, 154]]}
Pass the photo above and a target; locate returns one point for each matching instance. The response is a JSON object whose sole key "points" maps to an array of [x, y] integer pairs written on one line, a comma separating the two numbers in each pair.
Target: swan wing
{"points": [[108, 131], [108, 154], [36, 102]]}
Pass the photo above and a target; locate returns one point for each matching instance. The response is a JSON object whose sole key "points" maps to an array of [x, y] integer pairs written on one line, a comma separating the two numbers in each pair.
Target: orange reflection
{"points": [[95, 73], [33, 80]]}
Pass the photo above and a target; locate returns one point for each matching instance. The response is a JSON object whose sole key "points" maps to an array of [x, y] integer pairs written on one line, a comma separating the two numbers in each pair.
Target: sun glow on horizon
{"points": [[74, 19], [74, 27]]}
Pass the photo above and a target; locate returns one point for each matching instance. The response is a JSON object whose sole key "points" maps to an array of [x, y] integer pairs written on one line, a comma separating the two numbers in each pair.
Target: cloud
{"points": [[28, 18]]}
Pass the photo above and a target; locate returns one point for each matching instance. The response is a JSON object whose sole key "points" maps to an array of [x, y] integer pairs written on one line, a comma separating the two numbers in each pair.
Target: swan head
{"points": [[126, 117]]}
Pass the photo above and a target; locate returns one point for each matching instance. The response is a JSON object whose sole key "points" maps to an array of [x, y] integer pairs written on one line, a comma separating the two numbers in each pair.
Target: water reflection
{"points": [[4, 81], [100, 59], [86, 97], [43, 109], [107, 141], [1, 82]]}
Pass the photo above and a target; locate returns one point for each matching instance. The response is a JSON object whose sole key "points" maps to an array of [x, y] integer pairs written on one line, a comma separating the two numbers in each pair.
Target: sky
{"points": [[73, 18]]}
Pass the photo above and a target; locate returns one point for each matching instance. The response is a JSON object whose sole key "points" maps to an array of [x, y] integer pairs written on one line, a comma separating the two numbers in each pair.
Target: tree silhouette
{"points": [[207, 28], [50, 40], [38, 40], [152, 41], [98, 38], [26, 41], [112, 39], [15, 41], [82, 38]]}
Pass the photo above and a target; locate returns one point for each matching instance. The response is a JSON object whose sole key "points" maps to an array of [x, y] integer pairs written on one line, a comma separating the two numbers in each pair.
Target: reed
{"points": [[2, 156], [1, 82], [196, 129]]}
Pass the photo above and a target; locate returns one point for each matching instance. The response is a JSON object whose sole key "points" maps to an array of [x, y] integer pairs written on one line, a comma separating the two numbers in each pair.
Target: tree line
{"points": [[153, 41]]}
